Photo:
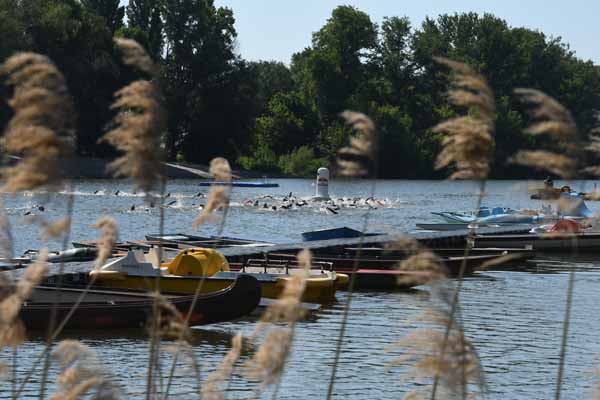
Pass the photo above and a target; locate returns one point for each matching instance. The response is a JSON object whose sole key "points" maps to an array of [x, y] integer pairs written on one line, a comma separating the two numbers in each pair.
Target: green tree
{"points": [[147, 16], [272, 77], [80, 43], [111, 10], [210, 90]]}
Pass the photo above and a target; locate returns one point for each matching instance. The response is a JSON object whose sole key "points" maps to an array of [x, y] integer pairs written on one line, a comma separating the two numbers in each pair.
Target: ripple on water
{"points": [[514, 317]]}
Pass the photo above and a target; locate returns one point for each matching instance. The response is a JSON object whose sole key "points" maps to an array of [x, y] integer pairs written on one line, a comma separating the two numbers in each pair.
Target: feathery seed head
{"points": [[109, 234], [423, 267], [56, 228], [137, 133], [220, 169], [356, 159], [555, 163], [218, 198], [135, 55], [81, 372], [556, 121], [469, 139], [211, 389], [42, 126]]}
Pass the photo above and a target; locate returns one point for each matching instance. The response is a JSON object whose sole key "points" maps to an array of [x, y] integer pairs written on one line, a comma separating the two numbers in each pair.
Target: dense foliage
{"points": [[273, 117]]}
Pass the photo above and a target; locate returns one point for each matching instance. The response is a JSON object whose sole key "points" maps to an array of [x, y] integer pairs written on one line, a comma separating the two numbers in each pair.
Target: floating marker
{"points": [[322, 184]]}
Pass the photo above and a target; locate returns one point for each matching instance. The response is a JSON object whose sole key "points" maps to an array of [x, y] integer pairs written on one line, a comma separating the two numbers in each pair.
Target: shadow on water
{"points": [[197, 336]]}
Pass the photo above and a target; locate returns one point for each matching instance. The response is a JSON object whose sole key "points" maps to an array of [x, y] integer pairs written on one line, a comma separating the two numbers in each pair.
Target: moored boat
{"points": [[553, 241], [206, 270], [110, 308]]}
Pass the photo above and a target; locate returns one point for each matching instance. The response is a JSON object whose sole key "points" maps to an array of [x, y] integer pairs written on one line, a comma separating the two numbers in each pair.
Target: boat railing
{"points": [[285, 264]]}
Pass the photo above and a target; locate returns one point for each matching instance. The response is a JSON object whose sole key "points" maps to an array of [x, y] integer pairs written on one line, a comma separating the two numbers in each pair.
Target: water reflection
{"points": [[513, 315]]}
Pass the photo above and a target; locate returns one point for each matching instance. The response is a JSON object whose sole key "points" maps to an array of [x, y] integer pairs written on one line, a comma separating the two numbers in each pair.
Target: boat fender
{"points": [[565, 225]]}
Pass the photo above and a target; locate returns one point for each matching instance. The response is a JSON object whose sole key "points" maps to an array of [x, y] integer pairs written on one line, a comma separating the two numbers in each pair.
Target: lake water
{"points": [[514, 317]]}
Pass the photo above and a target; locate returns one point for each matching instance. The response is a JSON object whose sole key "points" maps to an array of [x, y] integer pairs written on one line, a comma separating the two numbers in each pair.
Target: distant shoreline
{"points": [[80, 167]]}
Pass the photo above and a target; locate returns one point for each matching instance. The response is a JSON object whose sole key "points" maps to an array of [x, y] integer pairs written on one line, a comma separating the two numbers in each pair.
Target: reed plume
{"points": [[56, 228], [171, 323], [450, 357], [220, 169], [267, 364], [139, 124], [422, 267], [219, 196], [109, 234], [42, 126], [6, 239], [356, 160], [12, 331], [135, 55], [80, 373], [469, 139], [138, 128], [554, 120], [212, 387]]}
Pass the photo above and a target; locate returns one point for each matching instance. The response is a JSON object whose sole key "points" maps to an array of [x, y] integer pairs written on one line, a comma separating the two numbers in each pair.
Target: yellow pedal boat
{"points": [[209, 269]]}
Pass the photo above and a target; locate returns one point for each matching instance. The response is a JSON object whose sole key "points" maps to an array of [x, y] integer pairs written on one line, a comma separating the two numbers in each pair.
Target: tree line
{"points": [[270, 116]]}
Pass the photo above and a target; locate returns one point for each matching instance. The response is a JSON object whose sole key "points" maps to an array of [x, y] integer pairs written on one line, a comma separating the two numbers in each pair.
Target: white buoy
{"points": [[322, 184]]}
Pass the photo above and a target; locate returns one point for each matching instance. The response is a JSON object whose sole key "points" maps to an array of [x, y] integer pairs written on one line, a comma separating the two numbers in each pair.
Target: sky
{"points": [[275, 29]]}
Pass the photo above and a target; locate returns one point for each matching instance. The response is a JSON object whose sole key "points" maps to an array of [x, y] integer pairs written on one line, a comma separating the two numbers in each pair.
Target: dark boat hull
{"points": [[103, 308]]}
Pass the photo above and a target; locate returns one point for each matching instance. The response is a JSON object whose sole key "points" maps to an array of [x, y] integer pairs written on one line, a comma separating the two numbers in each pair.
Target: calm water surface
{"points": [[513, 317]]}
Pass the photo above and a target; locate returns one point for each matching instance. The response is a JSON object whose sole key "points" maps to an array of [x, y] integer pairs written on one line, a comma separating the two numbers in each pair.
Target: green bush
{"points": [[302, 162]]}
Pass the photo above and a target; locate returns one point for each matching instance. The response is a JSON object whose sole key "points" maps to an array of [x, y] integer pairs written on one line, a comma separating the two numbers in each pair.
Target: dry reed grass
{"points": [[469, 139], [422, 268], [41, 128], [139, 126], [56, 228], [212, 388], [135, 55], [109, 234], [81, 372], [268, 363], [554, 120], [357, 159], [448, 357], [12, 331], [6, 239], [219, 196]]}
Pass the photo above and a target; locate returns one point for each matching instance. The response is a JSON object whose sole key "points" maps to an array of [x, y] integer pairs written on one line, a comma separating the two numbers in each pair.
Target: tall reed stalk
{"points": [[359, 159], [468, 146]]}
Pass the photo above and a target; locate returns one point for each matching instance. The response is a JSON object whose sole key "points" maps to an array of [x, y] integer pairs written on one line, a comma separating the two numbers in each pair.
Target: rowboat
{"points": [[240, 184], [207, 270], [103, 308], [373, 264], [541, 241]]}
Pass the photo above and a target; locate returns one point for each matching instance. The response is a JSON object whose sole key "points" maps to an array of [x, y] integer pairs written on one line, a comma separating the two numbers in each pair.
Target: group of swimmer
{"points": [[265, 202], [293, 202]]}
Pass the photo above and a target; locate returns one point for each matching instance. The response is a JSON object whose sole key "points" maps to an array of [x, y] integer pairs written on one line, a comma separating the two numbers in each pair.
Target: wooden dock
{"points": [[447, 239]]}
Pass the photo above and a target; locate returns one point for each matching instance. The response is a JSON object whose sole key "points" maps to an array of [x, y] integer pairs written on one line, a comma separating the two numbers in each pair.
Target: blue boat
{"points": [[334, 233], [241, 184]]}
